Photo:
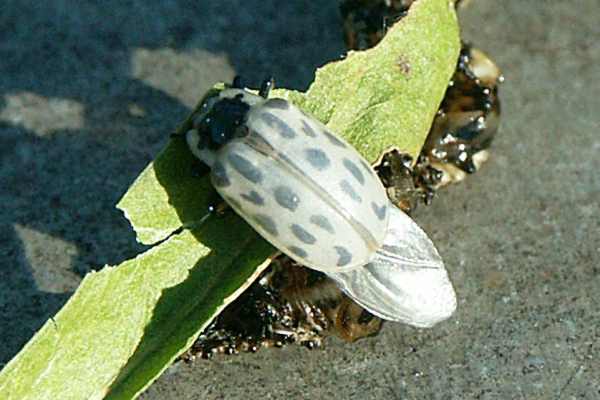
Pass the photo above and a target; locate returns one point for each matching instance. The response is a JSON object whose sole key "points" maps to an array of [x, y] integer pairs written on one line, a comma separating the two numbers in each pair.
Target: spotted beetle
{"points": [[316, 199]]}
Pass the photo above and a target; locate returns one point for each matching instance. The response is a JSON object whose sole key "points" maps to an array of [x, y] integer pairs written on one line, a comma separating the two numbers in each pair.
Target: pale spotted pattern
{"points": [[317, 158], [303, 189], [349, 190], [345, 256], [253, 197], [353, 169], [219, 176], [286, 198], [280, 104], [303, 235], [322, 222], [245, 168], [380, 211], [328, 215]]}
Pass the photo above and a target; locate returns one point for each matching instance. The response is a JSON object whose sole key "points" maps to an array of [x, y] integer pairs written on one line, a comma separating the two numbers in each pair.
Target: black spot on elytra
{"points": [[278, 125], [317, 158], [219, 176], [308, 130], [345, 257], [333, 139], [322, 222], [354, 170], [267, 223], [253, 197], [349, 190], [302, 234], [298, 251], [279, 104], [286, 197], [245, 168], [366, 167], [379, 211]]}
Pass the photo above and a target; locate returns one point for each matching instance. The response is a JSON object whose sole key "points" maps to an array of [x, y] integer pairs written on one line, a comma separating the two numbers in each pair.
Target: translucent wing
{"points": [[405, 280]]}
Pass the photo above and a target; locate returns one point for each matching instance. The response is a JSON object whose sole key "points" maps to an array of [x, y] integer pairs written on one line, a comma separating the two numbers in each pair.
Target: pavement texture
{"points": [[90, 90]]}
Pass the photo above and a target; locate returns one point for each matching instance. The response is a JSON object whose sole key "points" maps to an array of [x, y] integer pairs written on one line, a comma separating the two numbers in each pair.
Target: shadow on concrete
{"points": [[64, 182]]}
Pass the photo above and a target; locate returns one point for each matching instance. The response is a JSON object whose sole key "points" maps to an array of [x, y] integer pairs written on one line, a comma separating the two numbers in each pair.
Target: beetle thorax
{"points": [[221, 119]]}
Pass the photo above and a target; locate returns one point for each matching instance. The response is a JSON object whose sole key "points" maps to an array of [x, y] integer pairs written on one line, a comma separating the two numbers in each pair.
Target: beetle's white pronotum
{"points": [[315, 198]]}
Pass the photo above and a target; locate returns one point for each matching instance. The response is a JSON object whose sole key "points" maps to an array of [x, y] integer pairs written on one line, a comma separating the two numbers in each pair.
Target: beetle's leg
{"points": [[217, 205], [265, 87]]}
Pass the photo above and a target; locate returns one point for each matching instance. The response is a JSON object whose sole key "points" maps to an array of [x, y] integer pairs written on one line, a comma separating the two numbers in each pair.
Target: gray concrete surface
{"points": [[89, 91]]}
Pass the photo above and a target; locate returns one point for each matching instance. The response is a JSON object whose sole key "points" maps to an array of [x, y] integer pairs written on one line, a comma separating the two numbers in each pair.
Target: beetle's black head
{"points": [[223, 115], [223, 120]]}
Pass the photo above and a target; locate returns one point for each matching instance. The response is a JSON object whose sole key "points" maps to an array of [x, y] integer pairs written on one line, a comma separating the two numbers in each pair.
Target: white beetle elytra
{"points": [[315, 198]]}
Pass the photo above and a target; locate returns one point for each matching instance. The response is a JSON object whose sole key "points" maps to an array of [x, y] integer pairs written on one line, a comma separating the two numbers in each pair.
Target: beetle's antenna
{"points": [[237, 83], [265, 87]]}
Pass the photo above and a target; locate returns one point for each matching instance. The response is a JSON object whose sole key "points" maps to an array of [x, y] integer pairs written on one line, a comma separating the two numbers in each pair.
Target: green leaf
{"points": [[387, 96], [125, 325]]}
